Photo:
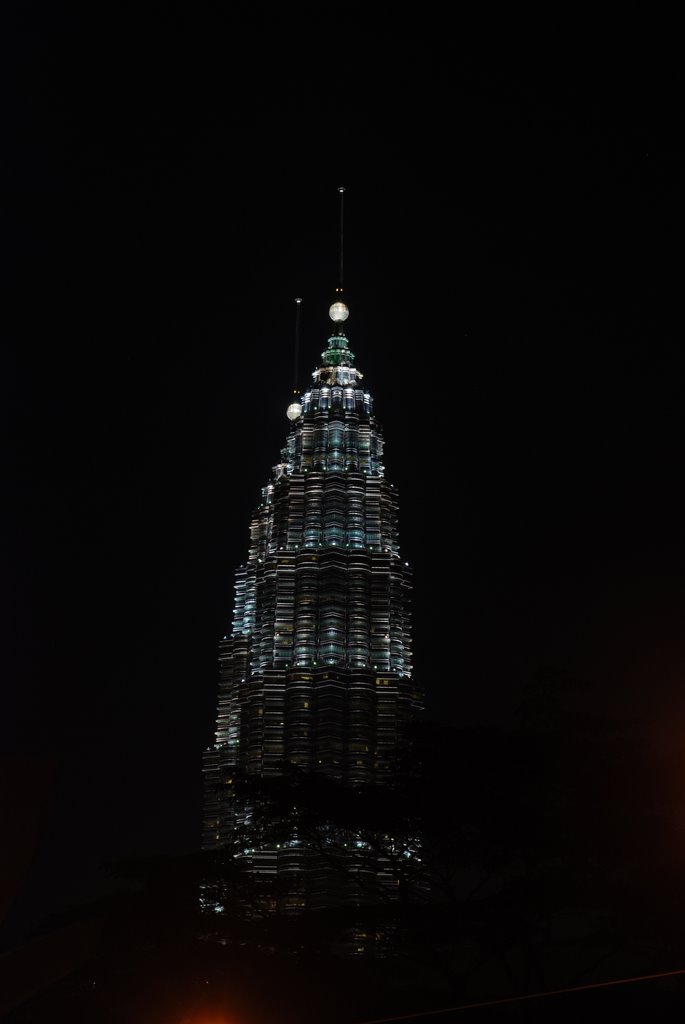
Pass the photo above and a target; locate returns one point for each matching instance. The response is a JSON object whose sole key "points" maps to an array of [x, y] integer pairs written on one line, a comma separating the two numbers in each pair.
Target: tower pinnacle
{"points": [[294, 410], [341, 192], [339, 312]]}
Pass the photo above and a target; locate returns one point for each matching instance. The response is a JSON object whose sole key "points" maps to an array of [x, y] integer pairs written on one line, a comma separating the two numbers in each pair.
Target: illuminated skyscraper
{"points": [[317, 668]]}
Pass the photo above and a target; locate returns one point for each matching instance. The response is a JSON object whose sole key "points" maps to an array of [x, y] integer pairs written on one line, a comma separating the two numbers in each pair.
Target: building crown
{"points": [[338, 352]]}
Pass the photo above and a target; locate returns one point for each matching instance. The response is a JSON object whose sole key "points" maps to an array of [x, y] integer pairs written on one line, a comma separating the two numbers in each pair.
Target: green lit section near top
{"points": [[338, 352]]}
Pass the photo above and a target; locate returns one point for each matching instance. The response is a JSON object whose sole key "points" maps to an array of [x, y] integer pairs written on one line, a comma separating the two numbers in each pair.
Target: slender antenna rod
{"points": [[342, 197], [298, 306]]}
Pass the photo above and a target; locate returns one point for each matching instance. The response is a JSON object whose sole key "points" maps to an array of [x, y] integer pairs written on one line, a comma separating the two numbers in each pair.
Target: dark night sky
{"points": [[513, 266]]}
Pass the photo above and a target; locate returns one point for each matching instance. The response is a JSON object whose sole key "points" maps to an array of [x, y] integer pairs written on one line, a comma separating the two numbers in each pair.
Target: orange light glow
{"points": [[208, 1017]]}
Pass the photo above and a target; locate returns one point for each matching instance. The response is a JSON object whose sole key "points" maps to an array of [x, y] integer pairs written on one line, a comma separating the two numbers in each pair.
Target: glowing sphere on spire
{"points": [[338, 312], [294, 411]]}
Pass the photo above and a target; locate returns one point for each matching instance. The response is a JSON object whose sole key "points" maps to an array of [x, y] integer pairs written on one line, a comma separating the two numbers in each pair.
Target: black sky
{"points": [[513, 266]]}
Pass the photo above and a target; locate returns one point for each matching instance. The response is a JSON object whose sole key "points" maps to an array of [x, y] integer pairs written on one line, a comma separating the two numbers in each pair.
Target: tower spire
{"points": [[296, 368], [294, 410], [341, 192], [339, 312]]}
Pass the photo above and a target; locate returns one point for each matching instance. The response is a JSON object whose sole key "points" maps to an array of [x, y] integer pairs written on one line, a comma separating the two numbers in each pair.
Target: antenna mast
{"points": [[296, 368], [294, 410], [342, 222]]}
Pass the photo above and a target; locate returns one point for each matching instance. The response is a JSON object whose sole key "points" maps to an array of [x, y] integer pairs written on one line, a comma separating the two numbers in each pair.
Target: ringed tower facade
{"points": [[316, 671]]}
